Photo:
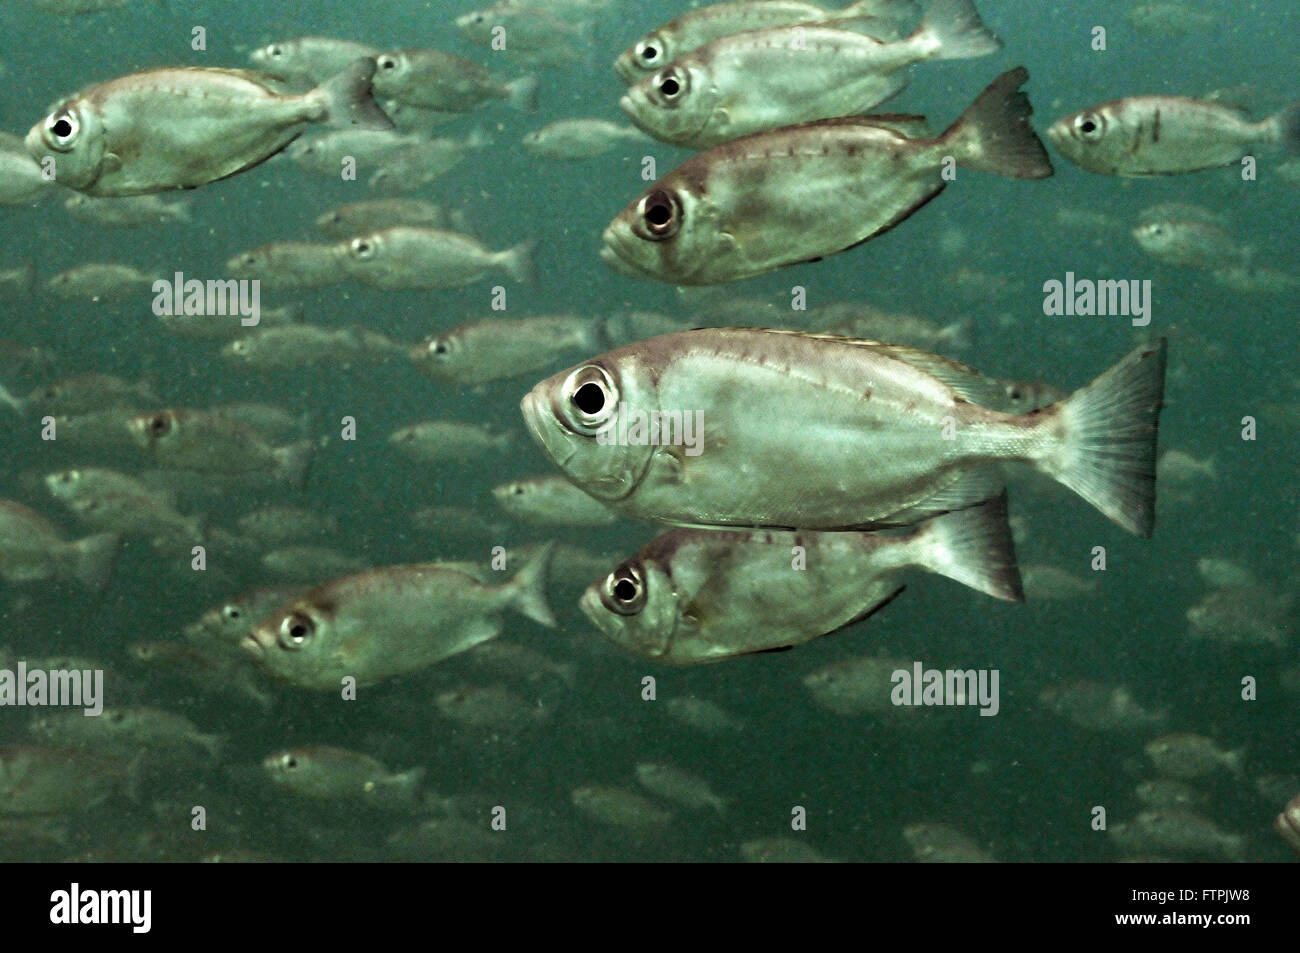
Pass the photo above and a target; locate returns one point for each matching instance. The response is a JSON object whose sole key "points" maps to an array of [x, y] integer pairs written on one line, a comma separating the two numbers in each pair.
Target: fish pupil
{"points": [[624, 590], [589, 398], [62, 128], [670, 87], [650, 54]]}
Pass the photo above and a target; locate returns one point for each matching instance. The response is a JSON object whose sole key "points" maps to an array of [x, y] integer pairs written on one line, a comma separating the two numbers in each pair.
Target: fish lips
{"points": [[616, 240], [258, 642], [544, 429]]}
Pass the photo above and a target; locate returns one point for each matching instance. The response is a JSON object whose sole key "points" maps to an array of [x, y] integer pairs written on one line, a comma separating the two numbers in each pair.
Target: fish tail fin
{"points": [[348, 99], [94, 559], [528, 588], [10, 400], [409, 783], [994, 134], [953, 30], [1107, 452], [212, 744], [181, 210], [295, 462], [898, 10], [521, 93], [518, 262], [960, 334], [479, 138], [1287, 124], [974, 547]]}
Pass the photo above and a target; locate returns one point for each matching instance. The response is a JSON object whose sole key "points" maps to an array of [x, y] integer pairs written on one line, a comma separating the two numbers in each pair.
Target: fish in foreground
{"points": [[785, 196], [695, 596], [697, 27], [179, 128], [32, 549], [328, 773], [780, 76], [406, 257], [815, 431], [1168, 135], [383, 622]]}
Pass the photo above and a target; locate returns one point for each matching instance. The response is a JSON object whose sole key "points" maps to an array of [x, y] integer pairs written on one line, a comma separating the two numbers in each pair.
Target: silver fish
{"points": [[31, 549], [313, 59], [383, 622], [780, 76], [493, 350], [793, 195], [179, 128], [1167, 135], [407, 257], [698, 596], [786, 420], [432, 79]]}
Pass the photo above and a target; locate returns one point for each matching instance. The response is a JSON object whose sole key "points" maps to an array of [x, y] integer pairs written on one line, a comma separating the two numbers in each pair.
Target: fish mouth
{"points": [[256, 643], [592, 607], [625, 103], [610, 253], [535, 419]]}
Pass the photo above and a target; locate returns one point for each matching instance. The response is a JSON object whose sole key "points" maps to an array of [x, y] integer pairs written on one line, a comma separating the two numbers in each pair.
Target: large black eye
{"points": [[160, 425], [661, 214], [439, 347], [623, 590], [274, 51], [295, 630], [649, 52], [362, 249], [1091, 126], [386, 62], [61, 130], [231, 612], [671, 84], [590, 399]]}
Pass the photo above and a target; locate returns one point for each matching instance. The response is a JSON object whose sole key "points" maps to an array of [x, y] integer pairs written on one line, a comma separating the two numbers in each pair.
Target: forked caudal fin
{"points": [[1107, 450], [974, 547], [994, 134]]}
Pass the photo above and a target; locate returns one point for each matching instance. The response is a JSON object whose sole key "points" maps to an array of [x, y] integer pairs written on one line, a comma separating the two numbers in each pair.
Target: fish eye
{"points": [[439, 347], [649, 52], [624, 590], [363, 249], [672, 84], [274, 50], [230, 612], [591, 399], [295, 630], [61, 130], [1090, 126], [661, 213], [117, 717], [160, 424], [386, 62]]}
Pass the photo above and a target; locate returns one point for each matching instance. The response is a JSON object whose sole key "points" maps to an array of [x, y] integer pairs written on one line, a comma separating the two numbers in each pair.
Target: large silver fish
{"points": [[797, 194], [694, 596], [780, 76], [182, 127], [805, 431]]}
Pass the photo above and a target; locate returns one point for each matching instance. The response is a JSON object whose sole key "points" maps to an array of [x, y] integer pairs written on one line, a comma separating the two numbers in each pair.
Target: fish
{"points": [[1187, 756], [450, 441], [857, 686], [84, 393], [569, 139], [308, 345], [1287, 824], [419, 163], [195, 439], [1167, 792], [179, 128], [312, 59], [432, 79], [360, 218], [32, 549], [212, 671], [324, 772], [55, 780], [131, 211], [1051, 582], [68, 486], [1189, 236], [785, 196], [499, 349], [406, 257], [702, 25], [383, 622], [327, 154], [702, 715], [679, 786], [130, 514], [223, 327], [780, 76], [276, 523], [781, 850], [1177, 831], [123, 730], [489, 708], [943, 844], [107, 281], [22, 181], [307, 563], [698, 596], [223, 627], [1243, 615], [551, 501], [290, 265], [1097, 706], [786, 420], [1169, 19], [1167, 135], [620, 807]]}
